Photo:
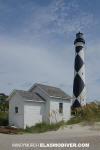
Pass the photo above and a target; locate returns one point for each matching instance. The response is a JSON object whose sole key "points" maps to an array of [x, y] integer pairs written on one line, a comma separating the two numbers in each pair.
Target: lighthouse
{"points": [[79, 89]]}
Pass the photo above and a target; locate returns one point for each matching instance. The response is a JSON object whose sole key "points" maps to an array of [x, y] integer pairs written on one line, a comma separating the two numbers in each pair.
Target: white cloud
{"points": [[25, 64], [59, 17], [92, 53]]}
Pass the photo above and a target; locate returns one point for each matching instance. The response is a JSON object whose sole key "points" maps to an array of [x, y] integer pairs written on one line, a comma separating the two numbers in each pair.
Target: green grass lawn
{"points": [[3, 118]]}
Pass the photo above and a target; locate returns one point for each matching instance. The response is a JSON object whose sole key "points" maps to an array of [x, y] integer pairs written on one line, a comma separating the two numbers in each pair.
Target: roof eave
{"points": [[60, 97], [34, 101]]}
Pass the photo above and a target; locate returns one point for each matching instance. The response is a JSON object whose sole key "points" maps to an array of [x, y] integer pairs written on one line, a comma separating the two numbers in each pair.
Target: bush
{"points": [[89, 113], [3, 118]]}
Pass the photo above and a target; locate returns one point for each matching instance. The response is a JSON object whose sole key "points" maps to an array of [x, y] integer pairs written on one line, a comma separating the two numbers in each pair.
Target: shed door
{"points": [[33, 113]]}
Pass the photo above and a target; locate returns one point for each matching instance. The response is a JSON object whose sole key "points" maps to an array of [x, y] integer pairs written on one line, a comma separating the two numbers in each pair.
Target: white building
{"points": [[41, 103]]}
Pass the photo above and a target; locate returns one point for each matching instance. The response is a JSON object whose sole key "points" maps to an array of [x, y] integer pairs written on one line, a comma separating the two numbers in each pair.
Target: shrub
{"points": [[3, 118], [89, 113]]}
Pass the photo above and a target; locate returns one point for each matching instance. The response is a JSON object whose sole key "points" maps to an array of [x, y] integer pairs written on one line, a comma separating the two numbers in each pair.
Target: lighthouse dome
{"points": [[79, 38]]}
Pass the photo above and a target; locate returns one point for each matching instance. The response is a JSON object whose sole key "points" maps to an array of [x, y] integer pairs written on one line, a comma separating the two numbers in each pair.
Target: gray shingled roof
{"points": [[53, 91], [30, 96]]}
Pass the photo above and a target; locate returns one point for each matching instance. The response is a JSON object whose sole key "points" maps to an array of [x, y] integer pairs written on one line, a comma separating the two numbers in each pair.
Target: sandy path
{"points": [[71, 134]]}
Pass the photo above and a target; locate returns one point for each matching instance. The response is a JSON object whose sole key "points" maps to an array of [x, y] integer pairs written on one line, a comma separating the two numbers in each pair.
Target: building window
{"points": [[60, 107], [16, 109]]}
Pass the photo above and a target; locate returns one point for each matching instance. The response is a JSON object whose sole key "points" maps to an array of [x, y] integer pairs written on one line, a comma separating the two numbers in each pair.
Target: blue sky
{"points": [[36, 43]]}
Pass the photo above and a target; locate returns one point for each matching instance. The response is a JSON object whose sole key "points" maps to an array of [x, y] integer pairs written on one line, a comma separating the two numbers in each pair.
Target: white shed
{"points": [[42, 103]]}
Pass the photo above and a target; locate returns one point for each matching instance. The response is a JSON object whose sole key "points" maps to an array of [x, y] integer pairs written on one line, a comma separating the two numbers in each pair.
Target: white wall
{"points": [[47, 103], [33, 113], [51, 113], [16, 119], [54, 110]]}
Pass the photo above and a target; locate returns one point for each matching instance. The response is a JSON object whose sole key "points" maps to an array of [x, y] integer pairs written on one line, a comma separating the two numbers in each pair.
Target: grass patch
{"points": [[88, 114], [42, 127], [73, 120], [3, 118]]}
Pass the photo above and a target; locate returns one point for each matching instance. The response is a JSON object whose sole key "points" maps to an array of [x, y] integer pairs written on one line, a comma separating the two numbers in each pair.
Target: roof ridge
{"points": [[53, 91], [47, 85]]}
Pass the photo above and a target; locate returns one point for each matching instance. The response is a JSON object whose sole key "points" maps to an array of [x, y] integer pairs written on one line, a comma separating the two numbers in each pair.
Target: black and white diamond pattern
{"points": [[78, 85], [78, 63], [79, 78], [78, 48], [76, 103]]}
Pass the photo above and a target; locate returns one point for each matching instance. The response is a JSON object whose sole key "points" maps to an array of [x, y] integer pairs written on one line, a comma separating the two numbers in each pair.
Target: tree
{"points": [[4, 103]]}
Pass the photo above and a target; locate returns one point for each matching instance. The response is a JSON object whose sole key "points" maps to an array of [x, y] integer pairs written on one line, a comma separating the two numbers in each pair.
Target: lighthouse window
{"points": [[60, 107]]}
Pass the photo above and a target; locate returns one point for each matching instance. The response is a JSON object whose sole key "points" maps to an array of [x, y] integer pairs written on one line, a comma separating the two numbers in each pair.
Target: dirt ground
{"points": [[70, 134]]}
